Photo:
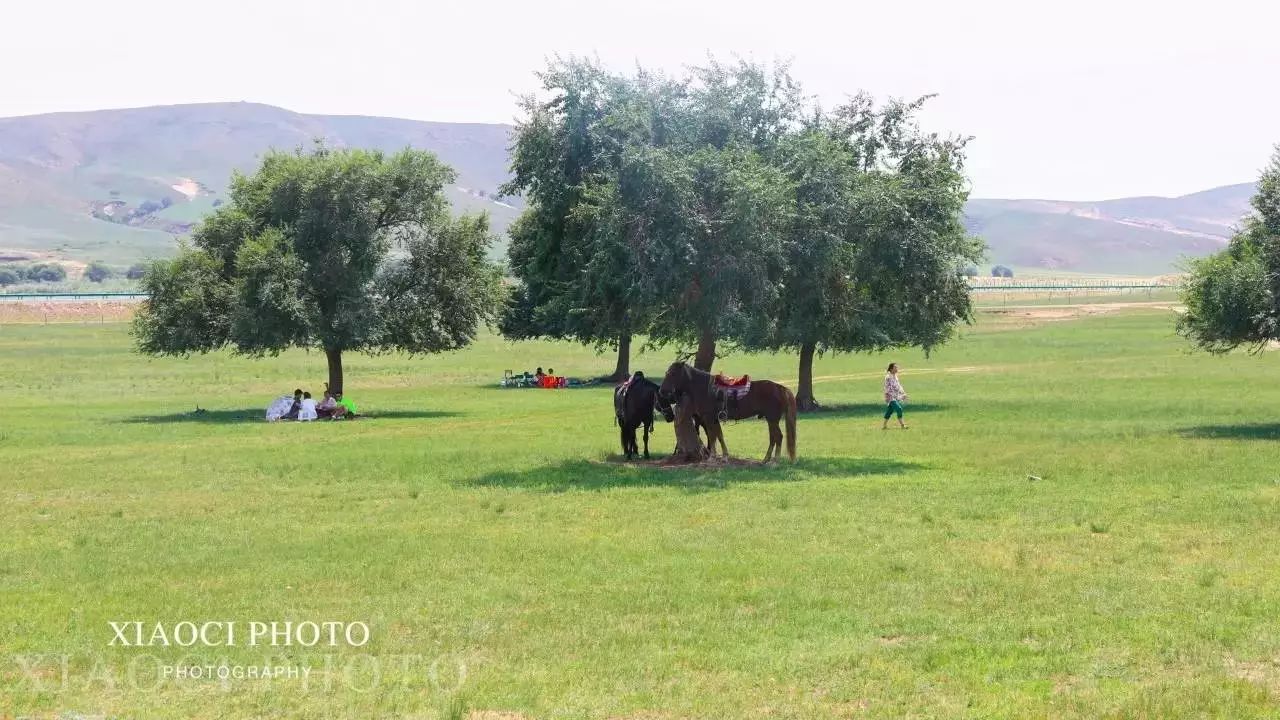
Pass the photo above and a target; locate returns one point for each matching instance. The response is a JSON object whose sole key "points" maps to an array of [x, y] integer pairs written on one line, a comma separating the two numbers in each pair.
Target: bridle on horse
{"points": [[690, 374]]}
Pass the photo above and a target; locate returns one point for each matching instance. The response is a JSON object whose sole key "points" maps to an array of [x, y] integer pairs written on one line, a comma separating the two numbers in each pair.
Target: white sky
{"points": [[1079, 99]]}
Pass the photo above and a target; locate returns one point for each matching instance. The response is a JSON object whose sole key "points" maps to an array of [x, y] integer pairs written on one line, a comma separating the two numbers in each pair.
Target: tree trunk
{"points": [[335, 369], [689, 447], [622, 370], [706, 350], [804, 395]]}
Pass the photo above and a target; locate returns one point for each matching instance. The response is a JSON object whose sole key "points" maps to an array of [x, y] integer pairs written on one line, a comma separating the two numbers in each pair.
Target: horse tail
{"points": [[790, 399]]}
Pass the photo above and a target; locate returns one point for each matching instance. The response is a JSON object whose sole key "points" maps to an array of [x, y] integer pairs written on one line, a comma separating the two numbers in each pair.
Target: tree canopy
{"points": [[876, 250], [724, 206], [567, 251], [1233, 297], [339, 250]]}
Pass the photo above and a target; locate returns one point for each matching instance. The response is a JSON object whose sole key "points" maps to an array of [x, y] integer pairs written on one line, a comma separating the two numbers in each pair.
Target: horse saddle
{"points": [[736, 385], [625, 387], [728, 391]]}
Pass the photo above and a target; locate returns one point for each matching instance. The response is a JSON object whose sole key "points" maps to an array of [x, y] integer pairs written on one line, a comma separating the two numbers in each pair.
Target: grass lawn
{"points": [[1082, 522]]}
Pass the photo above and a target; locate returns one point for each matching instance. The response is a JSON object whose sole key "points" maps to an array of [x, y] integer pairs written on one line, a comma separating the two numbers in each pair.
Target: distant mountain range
{"points": [[120, 185], [1131, 235]]}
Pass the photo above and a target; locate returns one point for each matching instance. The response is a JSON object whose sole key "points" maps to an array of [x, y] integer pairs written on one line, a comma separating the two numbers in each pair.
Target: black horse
{"points": [[633, 404]]}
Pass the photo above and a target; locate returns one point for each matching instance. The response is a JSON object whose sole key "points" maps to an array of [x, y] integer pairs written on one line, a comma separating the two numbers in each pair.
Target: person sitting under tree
{"points": [[345, 409], [324, 408], [308, 409], [297, 406], [894, 396]]}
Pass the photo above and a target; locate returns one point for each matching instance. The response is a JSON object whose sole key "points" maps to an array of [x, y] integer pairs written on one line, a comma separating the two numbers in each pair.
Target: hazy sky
{"points": [[1070, 100]]}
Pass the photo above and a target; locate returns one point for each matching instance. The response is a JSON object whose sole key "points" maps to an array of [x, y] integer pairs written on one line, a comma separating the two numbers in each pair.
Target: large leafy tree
{"points": [[1233, 297], [573, 265], [714, 223], [339, 250], [654, 205], [876, 249], [708, 207]]}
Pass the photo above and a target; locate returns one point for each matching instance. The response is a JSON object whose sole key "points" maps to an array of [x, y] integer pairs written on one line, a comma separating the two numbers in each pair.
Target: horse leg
{"points": [[775, 440], [720, 437], [647, 428], [711, 436], [631, 442]]}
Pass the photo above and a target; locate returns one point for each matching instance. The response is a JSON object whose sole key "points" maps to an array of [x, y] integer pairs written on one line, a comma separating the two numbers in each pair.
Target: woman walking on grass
{"points": [[894, 396]]}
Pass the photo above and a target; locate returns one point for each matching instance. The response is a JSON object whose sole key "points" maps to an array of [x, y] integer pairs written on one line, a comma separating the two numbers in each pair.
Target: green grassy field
{"points": [[1081, 522]]}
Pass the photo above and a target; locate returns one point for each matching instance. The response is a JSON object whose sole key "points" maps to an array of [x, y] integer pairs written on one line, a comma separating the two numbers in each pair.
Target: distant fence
{"points": [[989, 291], [1068, 287], [982, 285], [71, 297]]}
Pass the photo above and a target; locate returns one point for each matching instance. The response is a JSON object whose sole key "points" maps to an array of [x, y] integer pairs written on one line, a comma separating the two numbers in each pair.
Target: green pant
{"points": [[893, 407]]}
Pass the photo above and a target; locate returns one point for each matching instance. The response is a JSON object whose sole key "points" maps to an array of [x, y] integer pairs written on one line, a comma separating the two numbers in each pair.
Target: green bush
{"points": [[97, 272], [136, 271], [46, 272], [10, 275]]}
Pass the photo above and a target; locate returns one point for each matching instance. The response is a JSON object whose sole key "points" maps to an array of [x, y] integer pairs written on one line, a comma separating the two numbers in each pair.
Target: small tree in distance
{"points": [[46, 272], [1233, 297], [97, 272], [300, 257]]}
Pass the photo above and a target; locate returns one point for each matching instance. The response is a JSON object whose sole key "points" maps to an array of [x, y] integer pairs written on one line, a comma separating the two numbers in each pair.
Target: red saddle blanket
{"points": [[735, 383]]}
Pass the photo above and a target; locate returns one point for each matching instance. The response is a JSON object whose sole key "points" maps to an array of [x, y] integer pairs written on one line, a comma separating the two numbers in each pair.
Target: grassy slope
{"points": [[1040, 233], [1034, 239], [884, 575], [52, 167]]}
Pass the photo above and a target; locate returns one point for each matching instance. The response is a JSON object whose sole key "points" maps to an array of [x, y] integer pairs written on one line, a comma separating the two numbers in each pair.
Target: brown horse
{"points": [[765, 399]]}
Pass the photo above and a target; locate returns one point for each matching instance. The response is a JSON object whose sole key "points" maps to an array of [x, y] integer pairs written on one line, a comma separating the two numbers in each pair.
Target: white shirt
{"points": [[308, 409]]}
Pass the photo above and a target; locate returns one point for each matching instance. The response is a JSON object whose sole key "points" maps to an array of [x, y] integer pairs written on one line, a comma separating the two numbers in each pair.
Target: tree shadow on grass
{"points": [[616, 473], [227, 417], [1252, 431], [848, 410]]}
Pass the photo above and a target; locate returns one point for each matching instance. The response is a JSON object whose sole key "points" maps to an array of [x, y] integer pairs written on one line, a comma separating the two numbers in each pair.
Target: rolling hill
{"points": [[121, 185], [1141, 235]]}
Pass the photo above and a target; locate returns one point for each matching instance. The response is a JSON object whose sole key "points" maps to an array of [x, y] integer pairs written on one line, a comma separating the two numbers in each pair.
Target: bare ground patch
{"points": [[1012, 317], [66, 312], [1264, 674]]}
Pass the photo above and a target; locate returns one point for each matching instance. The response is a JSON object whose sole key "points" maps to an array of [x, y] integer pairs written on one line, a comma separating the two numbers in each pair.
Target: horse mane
{"points": [[696, 376], [695, 373]]}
